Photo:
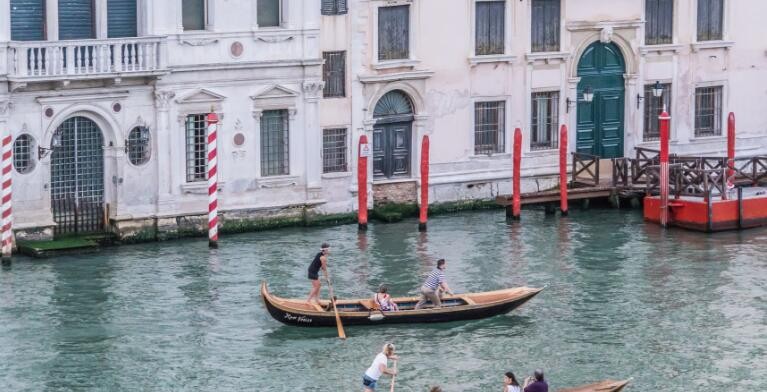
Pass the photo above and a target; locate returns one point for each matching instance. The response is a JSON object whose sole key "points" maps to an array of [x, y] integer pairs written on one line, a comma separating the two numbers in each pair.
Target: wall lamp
{"points": [[657, 92], [43, 152], [588, 97]]}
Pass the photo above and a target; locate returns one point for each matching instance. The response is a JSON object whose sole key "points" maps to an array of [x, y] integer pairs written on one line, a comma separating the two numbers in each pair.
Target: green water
{"points": [[675, 310]]}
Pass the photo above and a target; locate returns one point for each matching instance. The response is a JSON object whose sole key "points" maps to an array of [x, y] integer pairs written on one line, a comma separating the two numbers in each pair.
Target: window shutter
{"points": [[76, 19], [27, 20], [393, 32], [659, 28], [710, 20], [334, 74], [121, 18], [328, 7], [545, 25], [490, 28], [343, 7]]}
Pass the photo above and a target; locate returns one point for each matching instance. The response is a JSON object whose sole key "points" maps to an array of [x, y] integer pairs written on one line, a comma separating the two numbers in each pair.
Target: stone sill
{"points": [[490, 59], [331, 176], [199, 187], [389, 64], [698, 46], [277, 182], [394, 181], [491, 157], [708, 139], [542, 152], [407, 75], [547, 57], [660, 49]]}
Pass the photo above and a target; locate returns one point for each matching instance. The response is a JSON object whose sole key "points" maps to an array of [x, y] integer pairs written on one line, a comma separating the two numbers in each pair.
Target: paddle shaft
{"points": [[393, 378], [341, 332]]}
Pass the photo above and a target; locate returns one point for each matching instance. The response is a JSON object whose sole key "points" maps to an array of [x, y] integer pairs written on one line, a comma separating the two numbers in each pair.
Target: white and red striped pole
{"points": [[212, 180], [7, 198], [665, 122]]}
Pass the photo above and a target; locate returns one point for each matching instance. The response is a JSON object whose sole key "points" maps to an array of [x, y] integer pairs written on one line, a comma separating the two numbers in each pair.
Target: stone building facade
{"points": [[105, 99]]}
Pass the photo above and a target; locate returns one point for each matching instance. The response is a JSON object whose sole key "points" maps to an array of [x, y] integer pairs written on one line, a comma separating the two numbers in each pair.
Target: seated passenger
{"points": [[384, 301]]}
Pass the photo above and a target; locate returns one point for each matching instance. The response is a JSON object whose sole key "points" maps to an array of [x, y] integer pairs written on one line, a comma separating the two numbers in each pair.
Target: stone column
{"points": [[163, 150], [572, 115], [313, 135], [5, 25]]}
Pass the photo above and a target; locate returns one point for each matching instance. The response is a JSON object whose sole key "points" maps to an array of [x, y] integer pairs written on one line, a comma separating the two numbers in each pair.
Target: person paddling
{"points": [[434, 286], [379, 368], [320, 262]]}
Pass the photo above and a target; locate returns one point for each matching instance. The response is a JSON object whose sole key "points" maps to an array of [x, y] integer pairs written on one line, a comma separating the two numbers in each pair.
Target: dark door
{"points": [[76, 19], [600, 127], [77, 178], [391, 150], [27, 20]]}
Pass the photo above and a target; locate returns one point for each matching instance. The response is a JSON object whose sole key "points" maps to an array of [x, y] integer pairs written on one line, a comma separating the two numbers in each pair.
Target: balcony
{"points": [[44, 61]]}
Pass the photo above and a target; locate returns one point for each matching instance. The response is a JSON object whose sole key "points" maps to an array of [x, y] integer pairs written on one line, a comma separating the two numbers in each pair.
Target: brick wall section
{"points": [[399, 192]]}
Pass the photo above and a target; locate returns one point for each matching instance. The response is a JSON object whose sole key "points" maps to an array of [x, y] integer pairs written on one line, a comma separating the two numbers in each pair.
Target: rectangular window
{"points": [[394, 33], [489, 127], [490, 27], [196, 147], [27, 20], [275, 158], [334, 150], [710, 20], [76, 19], [334, 7], [122, 18], [659, 28], [334, 74], [708, 111], [268, 13], [653, 107], [545, 25], [193, 15], [544, 122]]}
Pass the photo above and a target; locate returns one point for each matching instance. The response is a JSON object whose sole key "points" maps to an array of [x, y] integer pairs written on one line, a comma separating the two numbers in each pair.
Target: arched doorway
{"points": [[392, 135], [77, 177], [600, 123]]}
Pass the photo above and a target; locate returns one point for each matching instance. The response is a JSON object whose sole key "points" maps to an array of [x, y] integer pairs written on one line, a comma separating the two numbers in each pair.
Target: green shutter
{"points": [[76, 19], [27, 20], [121, 18], [193, 14]]}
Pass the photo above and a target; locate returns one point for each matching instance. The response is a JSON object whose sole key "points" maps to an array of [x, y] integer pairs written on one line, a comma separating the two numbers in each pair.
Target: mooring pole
{"points": [[423, 216], [517, 170], [362, 183], [665, 121], [563, 169], [730, 183], [212, 180], [7, 220]]}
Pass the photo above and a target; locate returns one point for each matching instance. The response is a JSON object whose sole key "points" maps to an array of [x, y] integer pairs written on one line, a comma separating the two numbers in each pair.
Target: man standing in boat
{"points": [[434, 286], [320, 262]]}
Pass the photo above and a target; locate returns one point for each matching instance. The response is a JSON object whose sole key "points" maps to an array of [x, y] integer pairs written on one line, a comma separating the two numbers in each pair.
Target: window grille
{"points": [[268, 13], [489, 127], [22, 154], [196, 147], [275, 157], [334, 150], [545, 25], [708, 111], [490, 28], [659, 28], [138, 146], [334, 7], [710, 20], [545, 118], [653, 107], [394, 32], [334, 74], [193, 15]]}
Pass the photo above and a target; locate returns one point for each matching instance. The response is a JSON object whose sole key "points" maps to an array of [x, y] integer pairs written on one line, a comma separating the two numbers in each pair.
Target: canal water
{"points": [[675, 310]]}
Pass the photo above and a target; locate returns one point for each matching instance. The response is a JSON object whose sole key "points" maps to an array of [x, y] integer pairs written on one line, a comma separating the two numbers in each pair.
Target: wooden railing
{"points": [[66, 59], [585, 170], [752, 169], [686, 181], [645, 158]]}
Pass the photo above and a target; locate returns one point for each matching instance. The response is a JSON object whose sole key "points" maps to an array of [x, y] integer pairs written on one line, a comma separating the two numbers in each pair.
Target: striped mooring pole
{"points": [[7, 230], [212, 180], [362, 183], [563, 169], [423, 215], [665, 121], [516, 187]]}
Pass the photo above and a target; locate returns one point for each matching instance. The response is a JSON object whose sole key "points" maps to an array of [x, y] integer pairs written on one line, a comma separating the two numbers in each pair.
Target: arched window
{"points": [[22, 154], [137, 146], [394, 103]]}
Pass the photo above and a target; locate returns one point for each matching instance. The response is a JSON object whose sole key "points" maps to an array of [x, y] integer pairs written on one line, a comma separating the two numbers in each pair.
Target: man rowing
{"points": [[379, 368], [320, 262], [434, 286]]}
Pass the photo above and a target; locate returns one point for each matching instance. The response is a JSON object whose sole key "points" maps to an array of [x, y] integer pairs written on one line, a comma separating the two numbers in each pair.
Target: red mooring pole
{"points": [[665, 121], [362, 183], [516, 201], [212, 180], [423, 217], [563, 169], [730, 151], [7, 211]]}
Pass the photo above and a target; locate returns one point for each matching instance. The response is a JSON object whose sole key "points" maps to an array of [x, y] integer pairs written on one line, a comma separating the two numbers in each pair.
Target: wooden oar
{"points": [[393, 378], [341, 332]]}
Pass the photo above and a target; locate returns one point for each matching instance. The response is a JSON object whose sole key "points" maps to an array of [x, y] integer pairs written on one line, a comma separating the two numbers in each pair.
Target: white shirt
{"points": [[374, 371], [513, 388]]}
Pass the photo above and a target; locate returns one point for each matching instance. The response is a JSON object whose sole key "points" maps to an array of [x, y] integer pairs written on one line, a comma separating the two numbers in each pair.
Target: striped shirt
{"points": [[435, 278]]}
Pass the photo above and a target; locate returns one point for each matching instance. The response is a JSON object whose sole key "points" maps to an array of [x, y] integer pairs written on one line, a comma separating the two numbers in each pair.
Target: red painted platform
{"points": [[697, 213]]}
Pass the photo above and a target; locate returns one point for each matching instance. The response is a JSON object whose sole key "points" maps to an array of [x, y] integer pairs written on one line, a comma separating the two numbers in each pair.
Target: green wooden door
{"points": [[600, 125]]}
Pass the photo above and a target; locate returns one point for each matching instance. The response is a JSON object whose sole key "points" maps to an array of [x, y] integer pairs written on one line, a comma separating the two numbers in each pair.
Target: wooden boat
{"points": [[363, 312], [602, 386]]}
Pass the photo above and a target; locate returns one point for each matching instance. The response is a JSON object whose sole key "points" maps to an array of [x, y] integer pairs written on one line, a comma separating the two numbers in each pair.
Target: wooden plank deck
{"points": [[554, 196]]}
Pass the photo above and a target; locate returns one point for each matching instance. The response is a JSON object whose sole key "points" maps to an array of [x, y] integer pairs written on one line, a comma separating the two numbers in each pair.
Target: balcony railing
{"points": [[82, 59]]}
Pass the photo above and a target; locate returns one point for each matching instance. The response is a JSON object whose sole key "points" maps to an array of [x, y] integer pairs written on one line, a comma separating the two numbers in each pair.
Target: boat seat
{"points": [[468, 300], [318, 308], [368, 304]]}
